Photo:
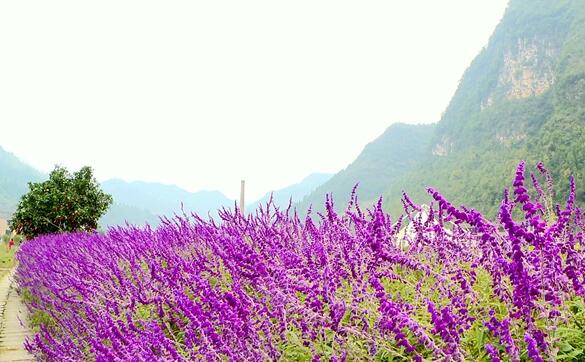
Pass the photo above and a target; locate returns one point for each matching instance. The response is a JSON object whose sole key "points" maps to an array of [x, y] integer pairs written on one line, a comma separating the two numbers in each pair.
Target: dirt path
{"points": [[12, 331]]}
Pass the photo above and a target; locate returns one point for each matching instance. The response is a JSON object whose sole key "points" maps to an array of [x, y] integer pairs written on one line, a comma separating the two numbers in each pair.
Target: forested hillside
{"points": [[396, 151], [523, 97], [14, 178]]}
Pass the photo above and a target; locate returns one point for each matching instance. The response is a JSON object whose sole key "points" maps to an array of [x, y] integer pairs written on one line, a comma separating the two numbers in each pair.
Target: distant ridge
{"points": [[139, 202], [149, 200], [295, 192], [14, 178], [522, 97], [396, 151]]}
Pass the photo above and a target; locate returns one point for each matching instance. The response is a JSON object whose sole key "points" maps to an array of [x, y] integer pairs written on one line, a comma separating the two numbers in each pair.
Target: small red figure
{"points": [[10, 244]]}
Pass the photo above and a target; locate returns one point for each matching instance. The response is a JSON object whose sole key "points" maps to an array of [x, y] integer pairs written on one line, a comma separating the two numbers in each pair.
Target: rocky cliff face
{"points": [[443, 147], [523, 97], [527, 71], [528, 68]]}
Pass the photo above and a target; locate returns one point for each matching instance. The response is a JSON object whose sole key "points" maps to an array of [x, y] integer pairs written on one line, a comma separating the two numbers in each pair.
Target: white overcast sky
{"points": [[204, 93]]}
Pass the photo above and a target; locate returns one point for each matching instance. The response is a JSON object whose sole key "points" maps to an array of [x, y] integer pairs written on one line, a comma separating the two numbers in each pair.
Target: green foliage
{"points": [[17, 238], [487, 141], [485, 131], [571, 335], [394, 153], [39, 318], [65, 202], [7, 257]]}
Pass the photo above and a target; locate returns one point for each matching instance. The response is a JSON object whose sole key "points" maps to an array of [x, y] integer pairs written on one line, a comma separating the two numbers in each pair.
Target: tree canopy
{"points": [[65, 202]]}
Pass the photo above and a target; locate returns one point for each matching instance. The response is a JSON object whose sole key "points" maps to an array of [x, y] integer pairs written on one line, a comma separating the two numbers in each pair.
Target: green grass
{"points": [[7, 257]]}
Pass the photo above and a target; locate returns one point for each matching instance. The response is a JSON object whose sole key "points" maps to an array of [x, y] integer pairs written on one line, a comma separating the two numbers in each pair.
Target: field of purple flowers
{"points": [[440, 283]]}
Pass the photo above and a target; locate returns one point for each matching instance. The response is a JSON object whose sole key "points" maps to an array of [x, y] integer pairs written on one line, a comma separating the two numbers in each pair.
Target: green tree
{"points": [[65, 202]]}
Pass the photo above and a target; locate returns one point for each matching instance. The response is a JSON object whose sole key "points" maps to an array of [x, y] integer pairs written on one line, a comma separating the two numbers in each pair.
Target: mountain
{"points": [[135, 202], [14, 178], [119, 214], [147, 200], [522, 97], [399, 149], [297, 191]]}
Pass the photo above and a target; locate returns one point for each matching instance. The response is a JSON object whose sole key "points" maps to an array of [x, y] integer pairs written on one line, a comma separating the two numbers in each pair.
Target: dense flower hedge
{"points": [[351, 286]]}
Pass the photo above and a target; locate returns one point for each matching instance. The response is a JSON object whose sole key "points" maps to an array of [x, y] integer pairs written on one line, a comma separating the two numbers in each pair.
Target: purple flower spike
{"points": [[351, 285]]}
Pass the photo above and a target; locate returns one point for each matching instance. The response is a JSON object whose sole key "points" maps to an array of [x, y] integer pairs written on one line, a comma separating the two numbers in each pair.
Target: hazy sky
{"points": [[204, 93]]}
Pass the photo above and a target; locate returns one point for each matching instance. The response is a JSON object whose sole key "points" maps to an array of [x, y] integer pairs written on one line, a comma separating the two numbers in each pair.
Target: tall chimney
{"points": [[242, 202]]}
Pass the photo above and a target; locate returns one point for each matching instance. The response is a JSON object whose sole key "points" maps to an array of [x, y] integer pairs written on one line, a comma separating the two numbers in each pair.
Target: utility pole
{"points": [[242, 203]]}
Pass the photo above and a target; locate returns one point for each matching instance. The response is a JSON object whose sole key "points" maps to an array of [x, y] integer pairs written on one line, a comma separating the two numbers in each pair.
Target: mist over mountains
{"points": [[158, 199], [522, 97], [141, 202], [292, 194], [14, 177], [398, 150]]}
